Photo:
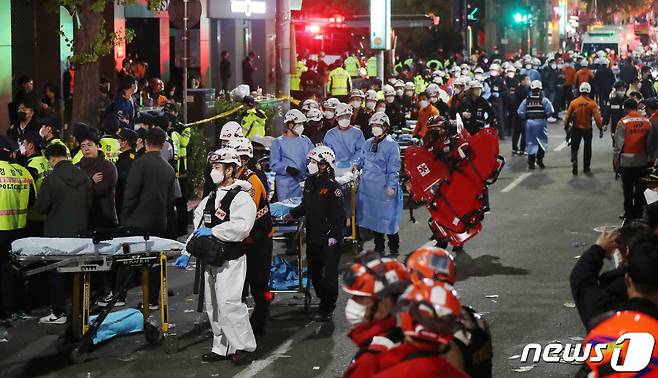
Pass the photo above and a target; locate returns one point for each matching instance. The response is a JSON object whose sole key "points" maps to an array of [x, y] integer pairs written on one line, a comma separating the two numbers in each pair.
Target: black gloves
{"points": [[292, 171]]}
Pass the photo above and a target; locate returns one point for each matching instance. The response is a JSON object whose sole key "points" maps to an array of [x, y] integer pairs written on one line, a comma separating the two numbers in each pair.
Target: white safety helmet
{"points": [[409, 86], [225, 156], [357, 93], [475, 84], [494, 67], [510, 69], [536, 84], [585, 88], [389, 91], [398, 84], [294, 116], [343, 109], [379, 118], [331, 103], [464, 66], [314, 115], [432, 90], [478, 70], [230, 130], [455, 69], [518, 65], [536, 62], [309, 104], [392, 81], [371, 95], [242, 145], [323, 154]]}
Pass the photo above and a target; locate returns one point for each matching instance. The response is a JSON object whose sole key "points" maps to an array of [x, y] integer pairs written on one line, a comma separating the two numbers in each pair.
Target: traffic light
{"points": [[521, 16]]}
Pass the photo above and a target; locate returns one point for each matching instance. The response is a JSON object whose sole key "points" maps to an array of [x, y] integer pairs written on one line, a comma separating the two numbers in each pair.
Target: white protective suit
{"points": [[229, 317]]}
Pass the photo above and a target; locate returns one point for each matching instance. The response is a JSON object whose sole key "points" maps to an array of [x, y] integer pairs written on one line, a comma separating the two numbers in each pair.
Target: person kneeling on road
{"points": [[227, 214]]}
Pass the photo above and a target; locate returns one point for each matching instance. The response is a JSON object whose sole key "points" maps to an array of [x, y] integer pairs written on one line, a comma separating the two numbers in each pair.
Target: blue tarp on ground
{"points": [[117, 323], [284, 275]]}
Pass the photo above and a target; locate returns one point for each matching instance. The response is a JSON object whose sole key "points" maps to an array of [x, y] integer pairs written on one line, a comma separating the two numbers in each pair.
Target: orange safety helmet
{"points": [[430, 311], [432, 263], [375, 276], [644, 347]]}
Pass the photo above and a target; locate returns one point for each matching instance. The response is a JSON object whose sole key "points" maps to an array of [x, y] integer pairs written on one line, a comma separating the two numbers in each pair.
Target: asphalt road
{"points": [[537, 226]]}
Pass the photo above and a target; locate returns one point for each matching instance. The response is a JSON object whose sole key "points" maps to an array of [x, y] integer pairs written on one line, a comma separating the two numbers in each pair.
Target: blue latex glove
{"points": [[203, 231], [182, 261]]}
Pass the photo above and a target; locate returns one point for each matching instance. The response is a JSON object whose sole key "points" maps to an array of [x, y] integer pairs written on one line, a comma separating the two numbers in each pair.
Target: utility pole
{"points": [[186, 45], [283, 23]]}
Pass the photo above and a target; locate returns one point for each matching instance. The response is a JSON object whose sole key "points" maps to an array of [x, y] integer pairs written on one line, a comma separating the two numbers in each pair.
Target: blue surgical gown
{"points": [[289, 152], [536, 130], [346, 144]]}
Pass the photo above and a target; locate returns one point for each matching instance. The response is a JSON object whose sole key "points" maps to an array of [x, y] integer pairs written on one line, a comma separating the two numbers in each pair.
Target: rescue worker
{"points": [[379, 199], [582, 110], [258, 245], [394, 109], [459, 92], [50, 129], [309, 104], [288, 156], [359, 116], [615, 109], [474, 107], [253, 120], [409, 105], [419, 82], [339, 84], [227, 214], [322, 206], [425, 111], [344, 140], [312, 81], [370, 103], [229, 131], [535, 110], [329, 112], [498, 93], [399, 90], [30, 147], [374, 283], [352, 65], [436, 98], [313, 129], [631, 157]]}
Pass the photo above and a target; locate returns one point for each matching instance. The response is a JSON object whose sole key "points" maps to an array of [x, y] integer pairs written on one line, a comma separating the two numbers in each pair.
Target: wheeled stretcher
{"points": [[84, 256], [282, 231]]}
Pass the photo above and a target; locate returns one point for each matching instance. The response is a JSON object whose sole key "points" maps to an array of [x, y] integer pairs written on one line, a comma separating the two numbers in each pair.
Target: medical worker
{"points": [[344, 139], [288, 156], [379, 200], [535, 110]]}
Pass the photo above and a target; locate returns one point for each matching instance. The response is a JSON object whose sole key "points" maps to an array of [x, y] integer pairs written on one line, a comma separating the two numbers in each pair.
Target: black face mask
{"points": [[22, 116]]}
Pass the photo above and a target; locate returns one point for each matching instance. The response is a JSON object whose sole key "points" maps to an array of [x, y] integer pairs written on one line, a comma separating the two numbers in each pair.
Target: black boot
{"points": [[574, 169], [531, 162], [540, 163]]}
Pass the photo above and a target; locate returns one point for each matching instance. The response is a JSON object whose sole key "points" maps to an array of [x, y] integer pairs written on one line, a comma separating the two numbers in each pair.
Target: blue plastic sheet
{"points": [[123, 322], [280, 209], [284, 274]]}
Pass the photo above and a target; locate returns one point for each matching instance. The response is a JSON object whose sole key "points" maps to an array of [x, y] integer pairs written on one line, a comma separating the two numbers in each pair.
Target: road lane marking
{"points": [[561, 147], [516, 182]]}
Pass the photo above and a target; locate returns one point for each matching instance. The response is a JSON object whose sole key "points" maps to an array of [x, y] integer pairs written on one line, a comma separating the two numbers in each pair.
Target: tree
{"points": [[90, 42], [608, 8]]}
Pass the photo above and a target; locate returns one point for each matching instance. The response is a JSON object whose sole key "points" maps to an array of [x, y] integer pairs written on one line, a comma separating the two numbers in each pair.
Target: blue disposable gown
{"points": [[346, 144], [289, 152], [536, 130], [380, 170]]}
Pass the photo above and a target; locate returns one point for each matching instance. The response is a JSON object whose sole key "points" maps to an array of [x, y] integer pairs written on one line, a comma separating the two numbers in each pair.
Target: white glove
{"points": [[331, 242], [390, 192], [466, 114]]}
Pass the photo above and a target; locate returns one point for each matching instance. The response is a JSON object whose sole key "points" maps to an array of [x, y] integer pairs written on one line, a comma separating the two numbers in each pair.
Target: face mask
{"points": [[329, 114], [434, 99], [22, 116], [493, 73], [354, 312], [456, 90], [423, 104], [217, 176], [312, 168], [390, 99], [457, 74], [528, 66], [42, 132], [553, 66], [381, 110], [21, 149], [298, 130], [377, 131], [371, 104], [343, 123], [356, 104], [510, 74], [409, 93], [621, 93], [437, 80], [399, 92]]}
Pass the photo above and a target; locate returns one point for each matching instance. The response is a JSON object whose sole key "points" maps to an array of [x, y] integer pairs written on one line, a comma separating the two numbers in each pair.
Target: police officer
{"points": [[498, 93], [474, 108], [631, 157], [339, 84], [322, 206], [109, 142], [409, 105], [127, 139], [581, 110], [49, 130], [614, 111], [30, 147], [258, 245], [253, 120], [535, 110], [512, 83]]}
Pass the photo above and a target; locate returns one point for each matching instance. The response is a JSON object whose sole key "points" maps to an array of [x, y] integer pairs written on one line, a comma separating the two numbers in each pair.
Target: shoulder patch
{"points": [[338, 192]]}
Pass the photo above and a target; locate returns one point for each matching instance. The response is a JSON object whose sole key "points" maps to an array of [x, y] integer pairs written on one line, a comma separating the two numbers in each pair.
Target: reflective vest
{"points": [[15, 183], [295, 78], [253, 123], [76, 159], [371, 66], [380, 95], [110, 147], [395, 68], [180, 141], [438, 66], [636, 129], [535, 108], [41, 166], [58, 141], [339, 83], [352, 66], [420, 83], [409, 63]]}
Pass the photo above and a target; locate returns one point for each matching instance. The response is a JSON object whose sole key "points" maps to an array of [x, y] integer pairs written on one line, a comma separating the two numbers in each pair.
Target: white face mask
{"points": [[456, 90], [381, 110], [312, 168], [553, 66], [344, 122], [21, 149], [354, 312], [457, 74], [377, 131], [329, 114], [356, 104], [298, 130], [434, 99], [621, 93], [399, 92], [371, 104], [437, 80], [409, 93], [493, 73], [528, 66], [479, 77], [390, 99], [217, 176], [510, 74], [423, 104]]}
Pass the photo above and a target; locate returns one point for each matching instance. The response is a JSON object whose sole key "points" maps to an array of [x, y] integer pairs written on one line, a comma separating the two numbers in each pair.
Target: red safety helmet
{"points": [[644, 347], [432, 263], [375, 277], [430, 312]]}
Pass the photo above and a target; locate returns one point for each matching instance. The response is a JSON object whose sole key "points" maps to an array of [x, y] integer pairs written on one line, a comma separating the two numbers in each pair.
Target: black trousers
{"points": [[259, 261], [567, 95], [393, 242], [323, 269], [634, 187], [578, 135], [518, 135]]}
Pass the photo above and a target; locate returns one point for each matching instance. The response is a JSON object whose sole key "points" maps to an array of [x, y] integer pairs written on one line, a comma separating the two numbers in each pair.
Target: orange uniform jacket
{"points": [[583, 109], [584, 75], [423, 115], [569, 76], [633, 140]]}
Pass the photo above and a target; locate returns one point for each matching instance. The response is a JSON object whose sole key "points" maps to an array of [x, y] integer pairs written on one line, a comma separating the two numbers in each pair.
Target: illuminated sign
{"points": [[380, 24], [248, 7]]}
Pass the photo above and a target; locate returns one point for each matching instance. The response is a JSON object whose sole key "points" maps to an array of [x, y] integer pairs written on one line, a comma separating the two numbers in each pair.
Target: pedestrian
{"points": [[549, 80], [124, 103], [633, 142], [425, 111], [646, 86], [30, 147], [581, 111], [628, 72], [65, 198], [127, 140], [225, 72], [535, 110], [344, 140], [322, 207], [52, 102], [253, 119], [227, 214], [311, 81], [604, 80], [103, 175], [379, 199], [288, 157], [105, 98], [248, 69], [26, 119]]}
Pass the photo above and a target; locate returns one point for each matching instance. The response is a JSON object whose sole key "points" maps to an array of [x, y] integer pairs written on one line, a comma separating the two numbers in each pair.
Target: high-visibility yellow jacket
{"points": [[340, 82]]}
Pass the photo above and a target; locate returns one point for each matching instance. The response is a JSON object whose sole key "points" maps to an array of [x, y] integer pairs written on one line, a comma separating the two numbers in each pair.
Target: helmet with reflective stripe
{"points": [[331, 103], [432, 263], [379, 118], [230, 130], [585, 88], [294, 116], [314, 115], [343, 109], [475, 84], [375, 276], [432, 90], [399, 84], [242, 145], [371, 95], [309, 104], [535, 84], [225, 156], [323, 154], [389, 90], [357, 93], [409, 86]]}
